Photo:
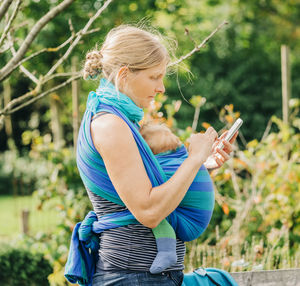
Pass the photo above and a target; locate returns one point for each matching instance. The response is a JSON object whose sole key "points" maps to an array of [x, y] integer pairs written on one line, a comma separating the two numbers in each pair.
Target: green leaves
{"points": [[20, 267]]}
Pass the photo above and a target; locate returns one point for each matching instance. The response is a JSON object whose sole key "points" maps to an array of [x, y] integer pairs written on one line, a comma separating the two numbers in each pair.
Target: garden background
{"points": [[237, 73]]}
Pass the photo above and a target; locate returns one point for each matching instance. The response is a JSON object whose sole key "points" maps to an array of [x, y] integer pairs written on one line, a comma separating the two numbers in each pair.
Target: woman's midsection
{"points": [[132, 247]]}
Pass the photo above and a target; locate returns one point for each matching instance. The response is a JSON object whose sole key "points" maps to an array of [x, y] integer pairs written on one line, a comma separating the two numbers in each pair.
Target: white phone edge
{"points": [[234, 128]]}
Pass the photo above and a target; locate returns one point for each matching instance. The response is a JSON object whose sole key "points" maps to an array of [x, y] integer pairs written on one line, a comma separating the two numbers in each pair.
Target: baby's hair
{"points": [[159, 138], [126, 45]]}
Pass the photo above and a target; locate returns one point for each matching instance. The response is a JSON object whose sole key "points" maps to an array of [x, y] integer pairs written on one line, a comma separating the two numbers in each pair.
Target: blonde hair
{"points": [[159, 138], [128, 46]]}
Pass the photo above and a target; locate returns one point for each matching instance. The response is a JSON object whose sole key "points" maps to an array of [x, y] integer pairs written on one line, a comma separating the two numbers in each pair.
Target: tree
{"points": [[18, 57]]}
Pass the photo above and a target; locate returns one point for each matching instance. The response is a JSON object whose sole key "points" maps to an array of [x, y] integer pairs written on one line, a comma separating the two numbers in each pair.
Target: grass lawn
{"points": [[10, 216]]}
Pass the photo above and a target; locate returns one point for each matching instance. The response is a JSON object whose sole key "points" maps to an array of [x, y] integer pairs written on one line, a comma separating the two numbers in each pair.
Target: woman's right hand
{"points": [[201, 144]]}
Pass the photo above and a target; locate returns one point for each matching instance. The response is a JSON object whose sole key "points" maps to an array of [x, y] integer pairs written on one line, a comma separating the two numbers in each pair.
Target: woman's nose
{"points": [[160, 88]]}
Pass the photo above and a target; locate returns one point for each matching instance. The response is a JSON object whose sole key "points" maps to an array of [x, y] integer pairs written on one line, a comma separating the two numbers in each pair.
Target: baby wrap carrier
{"points": [[187, 221]]}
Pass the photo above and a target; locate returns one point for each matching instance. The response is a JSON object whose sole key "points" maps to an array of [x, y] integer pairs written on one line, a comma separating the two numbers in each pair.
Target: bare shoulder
{"points": [[109, 131], [114, 141]]}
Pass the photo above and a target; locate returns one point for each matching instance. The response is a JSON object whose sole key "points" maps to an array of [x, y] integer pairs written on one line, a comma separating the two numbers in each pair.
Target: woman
{"points": [[133, 63]]}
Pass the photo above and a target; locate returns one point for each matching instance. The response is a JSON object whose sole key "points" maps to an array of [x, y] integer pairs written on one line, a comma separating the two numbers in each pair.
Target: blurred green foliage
{"points": [[21, 175], [18, 267]]}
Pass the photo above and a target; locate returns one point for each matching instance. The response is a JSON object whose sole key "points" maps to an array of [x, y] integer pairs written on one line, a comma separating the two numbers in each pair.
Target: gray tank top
{"points": [[131, 247]]}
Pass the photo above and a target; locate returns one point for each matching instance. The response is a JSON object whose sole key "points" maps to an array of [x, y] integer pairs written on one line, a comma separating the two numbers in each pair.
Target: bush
{"points": [[20, 267], [21, 175]]}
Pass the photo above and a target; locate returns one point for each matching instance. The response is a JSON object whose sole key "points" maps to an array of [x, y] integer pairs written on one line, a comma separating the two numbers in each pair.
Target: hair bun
{"points": [[93, 65]]}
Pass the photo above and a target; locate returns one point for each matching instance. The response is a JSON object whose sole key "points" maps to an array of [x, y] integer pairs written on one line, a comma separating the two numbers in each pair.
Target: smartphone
{"points": [[234, 128]]}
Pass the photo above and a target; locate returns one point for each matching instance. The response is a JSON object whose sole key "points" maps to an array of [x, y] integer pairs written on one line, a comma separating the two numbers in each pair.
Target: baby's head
{"points": [[159, 138]]}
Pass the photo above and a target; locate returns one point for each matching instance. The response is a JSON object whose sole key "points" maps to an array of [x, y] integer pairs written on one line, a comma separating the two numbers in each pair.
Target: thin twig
{"points": [[51, 50], [7, 69], [22, 98], [235, 184], [7, 27], [196, 118], [19, 25], [71, 28], [187, 32], [266, 133], [80, 34], [60, 75], [5, 48], [241, 136], [23, 69], [5, 5], [197, 48], [43, 94]]}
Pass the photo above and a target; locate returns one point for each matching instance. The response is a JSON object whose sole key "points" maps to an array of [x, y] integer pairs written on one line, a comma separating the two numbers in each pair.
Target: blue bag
{"points": [[208, 277]]}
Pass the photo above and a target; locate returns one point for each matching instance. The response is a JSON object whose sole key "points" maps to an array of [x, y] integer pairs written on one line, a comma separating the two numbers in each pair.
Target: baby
{"points": [[197, 205], [159, 138], [200, 196]]}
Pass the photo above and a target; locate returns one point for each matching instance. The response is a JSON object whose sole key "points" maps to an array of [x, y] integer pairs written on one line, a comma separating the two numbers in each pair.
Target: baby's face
{"points": [[159, 138]]}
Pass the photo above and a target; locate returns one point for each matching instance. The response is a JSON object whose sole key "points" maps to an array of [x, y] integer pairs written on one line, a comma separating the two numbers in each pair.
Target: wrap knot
{"points": [[86, 233], [93, 102]]}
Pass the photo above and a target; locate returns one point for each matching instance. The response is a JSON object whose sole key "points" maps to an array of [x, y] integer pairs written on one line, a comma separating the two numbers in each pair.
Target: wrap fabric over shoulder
{"points": [[186, 220]]}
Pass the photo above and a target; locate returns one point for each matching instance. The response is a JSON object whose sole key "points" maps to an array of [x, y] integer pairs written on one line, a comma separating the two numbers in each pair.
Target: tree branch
{"points": [[5, 5], [23, 69], [22, 98], [51, 50], [5, 48], [8, 68], [197, 48], [19, 102], [80, 34], [42, 94], [7, 27], [60, 75]]}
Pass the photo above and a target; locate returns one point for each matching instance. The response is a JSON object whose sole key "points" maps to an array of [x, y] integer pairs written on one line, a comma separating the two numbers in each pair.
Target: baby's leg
{"points": [[166, 247]]}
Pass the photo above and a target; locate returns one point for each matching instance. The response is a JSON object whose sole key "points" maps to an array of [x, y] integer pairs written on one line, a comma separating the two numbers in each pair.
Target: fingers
{"points": [[211, 132], [228, 147], [234, 137], [219, 161], [223, 135], [224, 155]]}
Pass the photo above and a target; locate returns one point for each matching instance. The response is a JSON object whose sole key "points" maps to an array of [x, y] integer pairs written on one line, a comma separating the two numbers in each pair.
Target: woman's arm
{"points": [[114, 141]]}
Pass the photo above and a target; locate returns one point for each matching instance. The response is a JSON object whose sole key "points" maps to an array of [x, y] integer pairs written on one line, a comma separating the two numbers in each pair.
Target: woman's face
{"points": [[142, 86]]}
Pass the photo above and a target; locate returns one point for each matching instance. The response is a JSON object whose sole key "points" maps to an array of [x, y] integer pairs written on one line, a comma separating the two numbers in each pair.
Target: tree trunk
{"points": [[286, 82], [25, 221], [56, 126], [75, 105], [7, 119]]}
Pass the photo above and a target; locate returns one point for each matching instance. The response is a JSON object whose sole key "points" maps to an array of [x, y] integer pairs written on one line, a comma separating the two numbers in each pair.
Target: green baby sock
{"points": [[166, 247]]}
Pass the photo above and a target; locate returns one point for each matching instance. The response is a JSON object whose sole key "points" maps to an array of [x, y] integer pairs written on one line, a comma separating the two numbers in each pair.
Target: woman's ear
{"points": [[123, 73], [122, 77]]}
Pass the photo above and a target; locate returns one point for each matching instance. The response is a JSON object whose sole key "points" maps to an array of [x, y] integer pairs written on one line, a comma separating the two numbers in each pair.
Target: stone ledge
{"points": [[282, 277]]}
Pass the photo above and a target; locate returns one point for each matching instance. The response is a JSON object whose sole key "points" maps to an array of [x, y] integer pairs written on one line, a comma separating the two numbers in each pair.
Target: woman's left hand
{"points": [[220, 156]]}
